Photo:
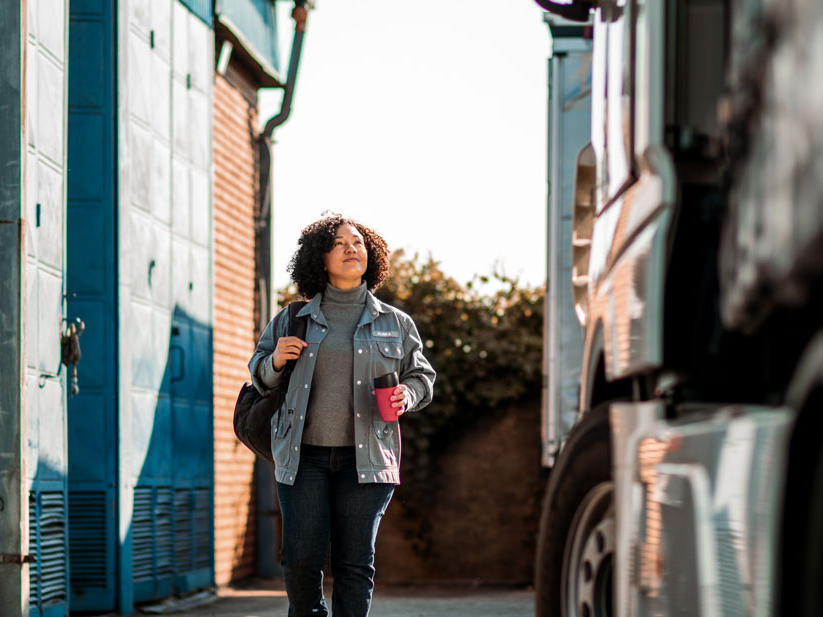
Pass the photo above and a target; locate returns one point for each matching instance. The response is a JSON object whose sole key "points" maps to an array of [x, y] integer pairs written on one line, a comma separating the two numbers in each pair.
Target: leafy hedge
{"points": [[486, 349]]}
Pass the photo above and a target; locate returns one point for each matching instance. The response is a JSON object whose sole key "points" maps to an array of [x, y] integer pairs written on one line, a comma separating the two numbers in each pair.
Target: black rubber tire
{"points": [[584, 464]]}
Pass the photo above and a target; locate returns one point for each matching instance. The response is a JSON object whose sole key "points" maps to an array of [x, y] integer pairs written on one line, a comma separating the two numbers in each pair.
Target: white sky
{"points": [[424, 120]]}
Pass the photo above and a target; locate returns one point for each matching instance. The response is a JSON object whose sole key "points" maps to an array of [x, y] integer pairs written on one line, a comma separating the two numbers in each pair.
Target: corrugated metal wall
{"points": [[165, 299], [140, 238]]}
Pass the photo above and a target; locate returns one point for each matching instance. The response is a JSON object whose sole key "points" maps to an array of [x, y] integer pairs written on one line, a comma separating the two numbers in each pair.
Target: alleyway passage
{"points": [[267, 600]]}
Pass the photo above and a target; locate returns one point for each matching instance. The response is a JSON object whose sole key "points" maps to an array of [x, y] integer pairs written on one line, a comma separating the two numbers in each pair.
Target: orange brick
{"points": [[235, 202]]}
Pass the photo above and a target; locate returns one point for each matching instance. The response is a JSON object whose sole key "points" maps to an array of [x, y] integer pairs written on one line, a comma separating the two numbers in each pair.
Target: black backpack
{"points": [[253, 411]]}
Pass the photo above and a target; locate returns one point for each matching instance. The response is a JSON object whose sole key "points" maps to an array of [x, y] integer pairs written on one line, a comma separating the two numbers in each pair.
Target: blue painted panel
{"points": [[87, 40], [202, 373], [89, 274], [193, 453], [88, 431], [88, 143], [185, 442], [204, 434], [98, 8], [91, 287]]}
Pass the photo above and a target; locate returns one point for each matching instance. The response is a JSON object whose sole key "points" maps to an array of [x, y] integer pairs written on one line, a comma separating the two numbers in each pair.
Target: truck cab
{"points": [[695, 252]]}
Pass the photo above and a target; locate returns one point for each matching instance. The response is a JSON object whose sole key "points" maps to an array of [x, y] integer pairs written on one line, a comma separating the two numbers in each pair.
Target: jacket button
{"points": [[305, 385], [358, 415], [311, 354], [360, 445], [359, 382], [362, 475], [295, 448], [386, 348], [359, 351], [322, 329], [291, 477], [301, 417]]}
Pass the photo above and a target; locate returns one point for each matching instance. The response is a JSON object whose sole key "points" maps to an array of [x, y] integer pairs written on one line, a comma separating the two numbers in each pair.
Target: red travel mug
{"points": [[383, 389]]}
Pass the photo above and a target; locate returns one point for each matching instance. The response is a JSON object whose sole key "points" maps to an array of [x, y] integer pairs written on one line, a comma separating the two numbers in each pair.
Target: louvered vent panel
{"points": [[53, 558], [34, 569], [151, 533], [183, 536], [87, 530], [202, 528], [163, 531], [142, 542]]}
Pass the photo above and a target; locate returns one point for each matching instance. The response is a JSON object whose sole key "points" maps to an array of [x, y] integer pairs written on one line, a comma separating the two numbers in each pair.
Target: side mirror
{"points": [[574, 10], [582, 228]]}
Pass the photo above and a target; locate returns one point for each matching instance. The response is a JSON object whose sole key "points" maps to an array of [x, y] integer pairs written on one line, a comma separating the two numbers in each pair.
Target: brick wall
{"points": [[235, 197]]}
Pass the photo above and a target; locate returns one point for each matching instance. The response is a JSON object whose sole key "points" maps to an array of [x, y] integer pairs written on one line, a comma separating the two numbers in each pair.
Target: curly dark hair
{"points": [[307, 267]]}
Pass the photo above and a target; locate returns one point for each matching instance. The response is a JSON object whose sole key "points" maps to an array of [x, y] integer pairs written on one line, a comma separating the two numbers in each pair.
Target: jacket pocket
{"points": [[386, 357], [280, 430], [384, 444]]}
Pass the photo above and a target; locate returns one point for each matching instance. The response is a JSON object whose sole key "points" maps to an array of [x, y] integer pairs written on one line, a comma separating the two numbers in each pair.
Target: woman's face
{"points": [[347, 260]]}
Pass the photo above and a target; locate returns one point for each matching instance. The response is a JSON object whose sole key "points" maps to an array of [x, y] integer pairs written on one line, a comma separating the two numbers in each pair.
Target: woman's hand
{"points": [[398, 399], [288, 348]]}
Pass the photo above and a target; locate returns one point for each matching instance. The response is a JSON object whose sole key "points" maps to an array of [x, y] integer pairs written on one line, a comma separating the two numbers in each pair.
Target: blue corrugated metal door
{"points": [[92, 297], [140, 431], [165, 417], [192, 430]]}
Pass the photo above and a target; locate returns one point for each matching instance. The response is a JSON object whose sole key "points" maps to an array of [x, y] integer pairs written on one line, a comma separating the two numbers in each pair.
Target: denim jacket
{"points": [[385, 340]]}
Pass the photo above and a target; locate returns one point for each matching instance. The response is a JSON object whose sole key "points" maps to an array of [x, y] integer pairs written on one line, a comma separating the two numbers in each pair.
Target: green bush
{"points": [[486, 349]]}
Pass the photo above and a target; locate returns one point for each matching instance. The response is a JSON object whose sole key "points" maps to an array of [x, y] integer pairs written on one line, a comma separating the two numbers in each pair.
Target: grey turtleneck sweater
{"points": [[330, 414]]}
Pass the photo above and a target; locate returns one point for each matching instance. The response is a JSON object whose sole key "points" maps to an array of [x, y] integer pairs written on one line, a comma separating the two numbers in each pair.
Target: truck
{"points": [[683, 403]]}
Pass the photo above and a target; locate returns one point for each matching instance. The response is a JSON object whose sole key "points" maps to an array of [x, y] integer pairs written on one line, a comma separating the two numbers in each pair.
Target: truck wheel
{"points": [[576, 543]]}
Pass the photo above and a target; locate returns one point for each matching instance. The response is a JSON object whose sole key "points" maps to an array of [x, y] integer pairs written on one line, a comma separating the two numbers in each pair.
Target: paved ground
{"points": [[269, 600]]}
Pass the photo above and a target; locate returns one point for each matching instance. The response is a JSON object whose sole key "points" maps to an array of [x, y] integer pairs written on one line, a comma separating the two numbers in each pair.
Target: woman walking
{"points": [[336, 460]]}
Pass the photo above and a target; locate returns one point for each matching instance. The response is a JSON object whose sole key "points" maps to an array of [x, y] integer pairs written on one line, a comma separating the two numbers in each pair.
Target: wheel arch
{"points": [[596, 389]]}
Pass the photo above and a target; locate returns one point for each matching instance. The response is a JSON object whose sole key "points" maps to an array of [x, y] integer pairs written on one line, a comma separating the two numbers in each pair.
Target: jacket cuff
{"points": [[268, 376]]}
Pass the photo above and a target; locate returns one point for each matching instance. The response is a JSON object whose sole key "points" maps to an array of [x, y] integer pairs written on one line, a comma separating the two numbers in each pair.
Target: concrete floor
{"points": [[267, 599]]}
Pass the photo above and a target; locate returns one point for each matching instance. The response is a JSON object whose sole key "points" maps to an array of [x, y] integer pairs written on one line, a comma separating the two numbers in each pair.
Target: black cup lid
{"points": [[389, 380]]}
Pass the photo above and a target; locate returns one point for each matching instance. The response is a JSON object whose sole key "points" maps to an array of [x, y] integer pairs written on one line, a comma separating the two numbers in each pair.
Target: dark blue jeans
{"points": [[326, 505]]}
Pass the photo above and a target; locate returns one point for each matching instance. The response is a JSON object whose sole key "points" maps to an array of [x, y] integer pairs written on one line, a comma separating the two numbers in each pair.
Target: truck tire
{"points": [[575, 546]]}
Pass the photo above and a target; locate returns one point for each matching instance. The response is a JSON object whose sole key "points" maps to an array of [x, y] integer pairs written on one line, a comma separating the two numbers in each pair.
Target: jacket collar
{"points": [[373, 308], [313, 308]]}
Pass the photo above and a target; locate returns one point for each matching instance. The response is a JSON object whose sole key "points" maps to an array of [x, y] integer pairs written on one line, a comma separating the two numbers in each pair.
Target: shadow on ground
{"points": [[268, 599]]}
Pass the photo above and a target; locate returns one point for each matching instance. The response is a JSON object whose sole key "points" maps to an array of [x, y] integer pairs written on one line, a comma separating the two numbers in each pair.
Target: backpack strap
{"points": [[297, 327]]}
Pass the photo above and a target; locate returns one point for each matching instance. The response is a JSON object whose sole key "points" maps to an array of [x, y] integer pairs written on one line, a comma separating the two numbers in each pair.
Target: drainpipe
{"points": [[268, 510], [299, 14], [263, 239]]}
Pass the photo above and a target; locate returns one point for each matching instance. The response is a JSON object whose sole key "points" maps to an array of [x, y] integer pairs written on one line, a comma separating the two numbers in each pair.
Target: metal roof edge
{"points": [[268, 76]]}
